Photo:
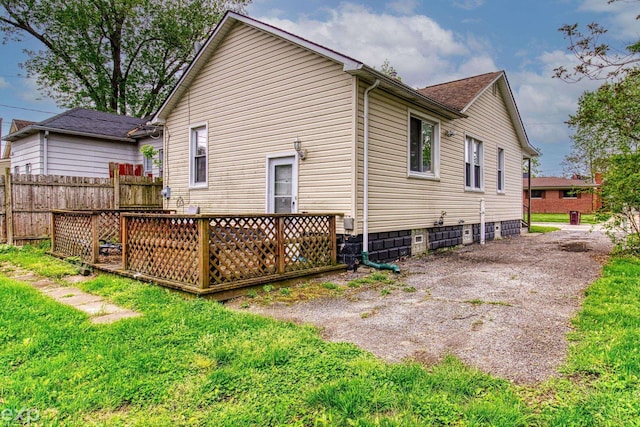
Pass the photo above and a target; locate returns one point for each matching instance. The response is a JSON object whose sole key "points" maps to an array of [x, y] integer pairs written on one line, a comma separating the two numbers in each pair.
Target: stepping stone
{"points": [[62, 292], [101, 311], [113, 317]]}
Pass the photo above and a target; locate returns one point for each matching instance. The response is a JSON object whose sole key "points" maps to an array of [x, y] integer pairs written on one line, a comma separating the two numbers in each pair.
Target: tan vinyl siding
{"points": [[400, 202], [256, 94]]}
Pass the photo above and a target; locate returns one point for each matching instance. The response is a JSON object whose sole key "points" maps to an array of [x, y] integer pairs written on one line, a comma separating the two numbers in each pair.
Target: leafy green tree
{"points": [[596, 58], [388, 70], [621, 202], [612, 113], [535, 166], [121, 56], [589, 153]]}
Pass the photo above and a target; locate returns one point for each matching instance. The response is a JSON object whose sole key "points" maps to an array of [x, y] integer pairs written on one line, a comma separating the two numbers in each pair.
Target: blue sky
{"points": [[427, 42]]}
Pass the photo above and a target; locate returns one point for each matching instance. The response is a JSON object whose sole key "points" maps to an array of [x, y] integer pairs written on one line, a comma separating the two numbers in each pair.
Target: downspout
{"points": [[45, 149], [482, 222], [529, 196], [365, 212]]}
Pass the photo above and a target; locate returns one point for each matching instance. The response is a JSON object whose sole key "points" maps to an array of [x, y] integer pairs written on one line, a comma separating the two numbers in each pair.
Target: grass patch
{"points": [[190, 361], [562, 218], [542, 229], [312, 290]]}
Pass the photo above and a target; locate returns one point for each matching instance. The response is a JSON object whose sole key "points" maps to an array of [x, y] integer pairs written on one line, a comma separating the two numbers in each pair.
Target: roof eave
{"points": [[229, 20], [30, 130], [501, 79], [404, 91]]}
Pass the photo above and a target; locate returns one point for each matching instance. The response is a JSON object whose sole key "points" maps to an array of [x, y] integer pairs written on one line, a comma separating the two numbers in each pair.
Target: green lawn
{"points": [[562, 218], [542, 229], [191, 361]]}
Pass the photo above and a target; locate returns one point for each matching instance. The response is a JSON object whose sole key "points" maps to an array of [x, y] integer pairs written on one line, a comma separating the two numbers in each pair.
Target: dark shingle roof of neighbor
{"points": [[90, 121], [459, 93], [86, 122], [17, 124]]}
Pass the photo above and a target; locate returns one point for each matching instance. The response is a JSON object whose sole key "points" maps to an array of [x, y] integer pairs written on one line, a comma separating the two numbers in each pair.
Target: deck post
{"points": [[95, 244], [52, 231], [280, 244], [124, 241], [334, 242], [203, 252]]}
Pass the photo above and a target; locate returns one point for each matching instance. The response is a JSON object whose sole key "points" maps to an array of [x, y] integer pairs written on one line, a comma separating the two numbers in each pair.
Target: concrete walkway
{"points": [[95, 306]]}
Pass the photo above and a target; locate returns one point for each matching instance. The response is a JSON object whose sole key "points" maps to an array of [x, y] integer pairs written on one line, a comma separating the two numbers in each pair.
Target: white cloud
{"points": [[619, 17], [468, 4], [417, 47], [30, 91], [403, 7], [3, 83], [425, 53]]}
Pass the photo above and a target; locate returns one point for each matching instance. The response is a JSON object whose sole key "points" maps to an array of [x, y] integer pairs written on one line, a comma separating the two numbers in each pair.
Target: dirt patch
{"points": [[504, 307]]}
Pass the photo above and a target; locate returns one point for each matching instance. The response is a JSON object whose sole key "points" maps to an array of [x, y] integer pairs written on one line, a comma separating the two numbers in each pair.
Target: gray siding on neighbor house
{"points": [[75, 156], [27, 151]]}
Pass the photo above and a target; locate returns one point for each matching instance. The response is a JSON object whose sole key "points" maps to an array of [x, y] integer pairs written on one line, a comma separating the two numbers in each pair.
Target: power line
{"points": [[27, 109]]}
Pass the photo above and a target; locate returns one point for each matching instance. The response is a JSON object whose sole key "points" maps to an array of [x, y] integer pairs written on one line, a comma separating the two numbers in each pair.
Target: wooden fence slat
{"points": [[25, 214]]}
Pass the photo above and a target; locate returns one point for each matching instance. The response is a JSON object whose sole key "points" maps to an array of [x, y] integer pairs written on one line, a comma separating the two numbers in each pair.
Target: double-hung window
{"points": [[199, 151], [473, 172], [500, 171], [423, 147]]}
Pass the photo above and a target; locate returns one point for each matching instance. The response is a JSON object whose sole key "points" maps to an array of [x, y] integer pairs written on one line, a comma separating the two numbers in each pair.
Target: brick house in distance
{"points": [[562, 195]]}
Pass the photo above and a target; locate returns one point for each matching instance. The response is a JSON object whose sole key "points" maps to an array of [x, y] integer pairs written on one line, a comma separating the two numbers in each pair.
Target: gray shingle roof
{"points": [[96, 122], [85, 122]]}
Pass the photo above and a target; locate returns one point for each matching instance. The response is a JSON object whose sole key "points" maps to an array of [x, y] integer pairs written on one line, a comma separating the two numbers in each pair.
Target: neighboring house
{"points": [[562, 195], [81, 142], [407, 170]]}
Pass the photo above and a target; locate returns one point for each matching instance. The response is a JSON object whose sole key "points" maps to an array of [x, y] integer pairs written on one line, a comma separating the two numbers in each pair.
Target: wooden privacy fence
{"points": [[25, 215]]}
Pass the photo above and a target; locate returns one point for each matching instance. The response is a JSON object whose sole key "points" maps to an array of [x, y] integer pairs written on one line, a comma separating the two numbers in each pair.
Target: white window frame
{"points": [[469, 142], [161, 162], [147, 165], [193, 129], [500, 171], [434, 173]]}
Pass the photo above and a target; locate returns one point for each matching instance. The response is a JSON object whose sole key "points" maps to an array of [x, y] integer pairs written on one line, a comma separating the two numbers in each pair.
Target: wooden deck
{"points": [[201, 254]]}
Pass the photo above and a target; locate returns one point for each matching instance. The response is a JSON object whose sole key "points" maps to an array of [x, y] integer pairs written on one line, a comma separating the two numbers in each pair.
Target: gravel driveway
{"points": [[504, 307]]}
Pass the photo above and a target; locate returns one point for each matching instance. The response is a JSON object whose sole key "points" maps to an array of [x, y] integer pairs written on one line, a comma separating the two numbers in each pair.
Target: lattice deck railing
{"points": [[218, 252], [81, 233]]}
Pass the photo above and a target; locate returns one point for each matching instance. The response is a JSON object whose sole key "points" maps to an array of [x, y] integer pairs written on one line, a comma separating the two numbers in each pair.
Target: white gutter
{"points": [[365, 202]]}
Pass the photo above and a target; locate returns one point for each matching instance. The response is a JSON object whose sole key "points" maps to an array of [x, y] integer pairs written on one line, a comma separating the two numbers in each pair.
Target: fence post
{"points": [[8, 205], [203, 251], [116, 187], [280, 250]]}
